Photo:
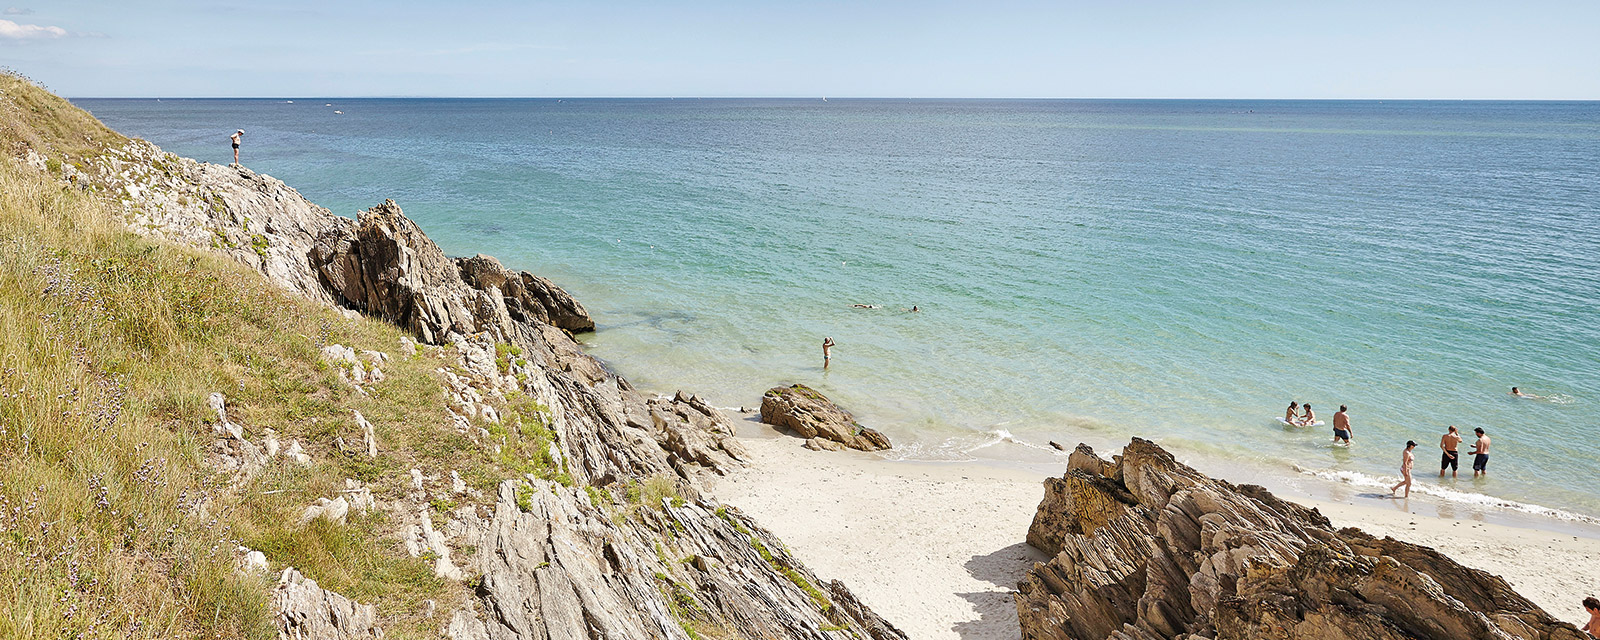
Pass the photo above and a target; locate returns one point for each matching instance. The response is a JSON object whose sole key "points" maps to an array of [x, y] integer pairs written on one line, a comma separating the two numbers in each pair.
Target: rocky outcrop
{"points": [[389, 268], [526, 296], [306, 611], [809, 414], [1145, 547], [558, 566]]}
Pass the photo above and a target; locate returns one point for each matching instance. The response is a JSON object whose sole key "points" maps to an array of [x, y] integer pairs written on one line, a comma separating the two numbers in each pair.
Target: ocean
{"points": [[1084, 270]]}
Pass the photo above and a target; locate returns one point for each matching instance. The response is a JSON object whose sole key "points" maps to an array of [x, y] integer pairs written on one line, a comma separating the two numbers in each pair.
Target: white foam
{"points": [[1469, 498]]}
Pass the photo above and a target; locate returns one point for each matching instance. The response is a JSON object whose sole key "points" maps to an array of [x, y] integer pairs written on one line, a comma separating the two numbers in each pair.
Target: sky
{"points": [[1423, 49]]}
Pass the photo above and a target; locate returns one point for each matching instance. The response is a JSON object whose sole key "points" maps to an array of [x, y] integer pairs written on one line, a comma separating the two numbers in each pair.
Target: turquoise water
{"points": [[1086, 270]]}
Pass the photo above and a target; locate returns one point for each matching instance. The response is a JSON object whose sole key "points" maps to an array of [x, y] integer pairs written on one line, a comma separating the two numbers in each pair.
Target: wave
{"points": [[1467, 498]]}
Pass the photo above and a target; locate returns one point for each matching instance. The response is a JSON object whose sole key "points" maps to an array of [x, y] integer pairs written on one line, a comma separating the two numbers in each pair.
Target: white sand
{"points": [[937, 548]]}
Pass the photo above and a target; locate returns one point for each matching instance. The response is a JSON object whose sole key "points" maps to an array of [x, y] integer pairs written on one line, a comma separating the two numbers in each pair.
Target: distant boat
{"points": [[824, 98], [328, 105], [339, 112], [288, 102]]}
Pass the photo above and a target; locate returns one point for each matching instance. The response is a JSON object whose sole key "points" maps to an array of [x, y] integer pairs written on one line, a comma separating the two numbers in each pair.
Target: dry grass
{"points": [[113, 520], [32, 118]]}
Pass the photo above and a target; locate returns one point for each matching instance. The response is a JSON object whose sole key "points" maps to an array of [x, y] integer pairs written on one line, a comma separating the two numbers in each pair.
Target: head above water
{"points": [[1293, 404], [1307, 405], [1514, 390], [1343, 408], [1479, 431], [1591, 603], [1411, 444], [1452, 428]]}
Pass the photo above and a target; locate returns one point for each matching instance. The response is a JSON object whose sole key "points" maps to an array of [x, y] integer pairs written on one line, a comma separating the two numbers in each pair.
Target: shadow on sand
{"points": [[997, 612]]}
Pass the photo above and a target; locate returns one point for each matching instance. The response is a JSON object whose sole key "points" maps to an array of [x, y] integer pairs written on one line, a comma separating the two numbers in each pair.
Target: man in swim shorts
{"points": [[237, 135], [1341, 425], [1480, 453], [1451, 458]]}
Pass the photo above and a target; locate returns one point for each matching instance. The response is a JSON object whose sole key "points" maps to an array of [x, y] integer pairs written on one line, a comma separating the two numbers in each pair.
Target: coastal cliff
{"points": [[457, 462], [1145, 547]]}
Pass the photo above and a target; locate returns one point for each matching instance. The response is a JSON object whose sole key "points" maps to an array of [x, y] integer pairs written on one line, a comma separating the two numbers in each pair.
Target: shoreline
{"points": [[938, 546]]}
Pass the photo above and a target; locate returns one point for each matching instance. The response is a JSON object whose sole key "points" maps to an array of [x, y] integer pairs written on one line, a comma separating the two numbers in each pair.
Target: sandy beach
{"points": [[937, 547]]}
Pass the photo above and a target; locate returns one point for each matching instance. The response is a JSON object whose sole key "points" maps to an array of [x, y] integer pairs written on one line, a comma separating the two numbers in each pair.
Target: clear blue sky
{"points": [[1278, 49]]}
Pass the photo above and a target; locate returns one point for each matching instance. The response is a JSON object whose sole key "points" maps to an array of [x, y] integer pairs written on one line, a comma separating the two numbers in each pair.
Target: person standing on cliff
{"points": [[237, 135], [827, 343], [1451, 458], [1406, 461]]}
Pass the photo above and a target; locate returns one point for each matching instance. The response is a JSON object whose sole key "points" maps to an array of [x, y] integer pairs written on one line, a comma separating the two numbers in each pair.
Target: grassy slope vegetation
{"points": [[112, 522]]}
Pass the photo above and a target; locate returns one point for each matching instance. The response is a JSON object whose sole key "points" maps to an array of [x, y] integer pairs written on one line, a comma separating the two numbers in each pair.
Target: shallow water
{"points": [[1086, 270]]}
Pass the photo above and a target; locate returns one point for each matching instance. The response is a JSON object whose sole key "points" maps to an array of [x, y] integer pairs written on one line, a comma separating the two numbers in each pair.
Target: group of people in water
{"points": [[1449, 443]]}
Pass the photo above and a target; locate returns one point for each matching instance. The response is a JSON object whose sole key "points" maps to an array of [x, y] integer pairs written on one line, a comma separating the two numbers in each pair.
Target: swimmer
{"points": [[1289, 416], [863, 306], [827, 343], [1518, 393]]}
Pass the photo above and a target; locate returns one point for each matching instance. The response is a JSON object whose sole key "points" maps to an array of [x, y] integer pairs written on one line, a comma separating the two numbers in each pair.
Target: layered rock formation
{"points": [[549, 561], [1146, 548], [811, 415]]}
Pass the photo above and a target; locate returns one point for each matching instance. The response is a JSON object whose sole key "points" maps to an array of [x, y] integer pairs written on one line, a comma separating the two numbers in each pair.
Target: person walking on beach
{"points": [[1480, 453], [1406, 460], [827, 343], [1289, 416], [237, 135], [1451, 458], [1341, 424], [1592, 627]]}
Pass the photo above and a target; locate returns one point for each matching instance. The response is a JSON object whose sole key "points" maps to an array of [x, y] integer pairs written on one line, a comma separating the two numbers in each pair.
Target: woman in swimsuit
{"points": [[1289, 416], [1309, 417]]}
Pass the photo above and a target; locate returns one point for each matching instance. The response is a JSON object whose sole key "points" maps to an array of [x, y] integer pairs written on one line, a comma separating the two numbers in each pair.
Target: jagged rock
{"points": [[1149, 548], [806, 412], [557, 567], [526, 295], [696, 432], [823, 444], [423, 538], [306, 611]]}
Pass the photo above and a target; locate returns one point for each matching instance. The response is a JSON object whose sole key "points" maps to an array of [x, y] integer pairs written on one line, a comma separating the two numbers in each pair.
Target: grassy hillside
{"points": [[112, 522]]}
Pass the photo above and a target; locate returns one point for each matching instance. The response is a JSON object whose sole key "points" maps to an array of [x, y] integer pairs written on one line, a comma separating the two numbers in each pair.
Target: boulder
{"points": [[809, 414], [1147, 547]]}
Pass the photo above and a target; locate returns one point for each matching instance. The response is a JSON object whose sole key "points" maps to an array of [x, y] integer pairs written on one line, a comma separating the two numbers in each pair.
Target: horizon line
{"points": [[822, 98]]}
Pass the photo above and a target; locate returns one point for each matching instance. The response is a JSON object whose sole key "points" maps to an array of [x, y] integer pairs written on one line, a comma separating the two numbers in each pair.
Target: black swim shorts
{"points": [[1481, 462], [1449, 461]]}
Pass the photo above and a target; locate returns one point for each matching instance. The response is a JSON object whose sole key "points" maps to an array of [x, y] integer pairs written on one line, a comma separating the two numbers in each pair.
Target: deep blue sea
{"points": [[1084, 270]]}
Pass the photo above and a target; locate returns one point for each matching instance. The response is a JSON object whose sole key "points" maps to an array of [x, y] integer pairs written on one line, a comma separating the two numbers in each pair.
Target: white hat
{"points": [[241, 131]]}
